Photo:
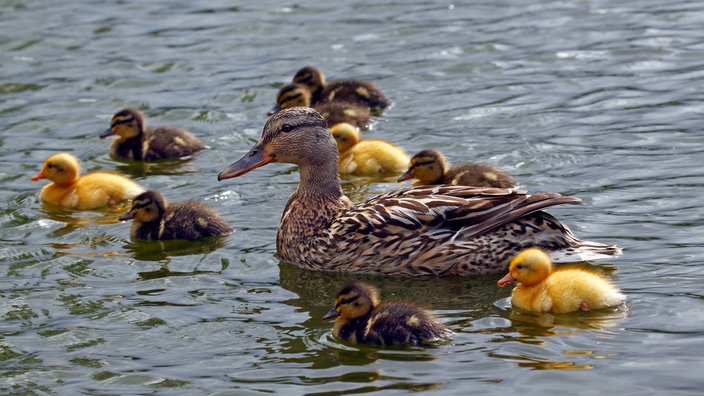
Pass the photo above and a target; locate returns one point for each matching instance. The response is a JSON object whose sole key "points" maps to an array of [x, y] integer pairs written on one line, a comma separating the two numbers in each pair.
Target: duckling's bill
{"points": [[256, 157], [506, 280], [332, 314], [38, 176], [405, 176], [108, 132]]}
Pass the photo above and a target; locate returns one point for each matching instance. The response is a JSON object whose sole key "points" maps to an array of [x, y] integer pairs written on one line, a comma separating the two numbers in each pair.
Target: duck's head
{"points": [[291, 95], [127, 123], [146, 207], [345, 135], [428, 166], [298, 135], [353, 301], [61, 168], [530, 266], [311, 78]]}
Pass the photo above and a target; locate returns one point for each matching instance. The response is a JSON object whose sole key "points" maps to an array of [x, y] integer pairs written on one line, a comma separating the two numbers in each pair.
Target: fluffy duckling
{"points": [[360, 318], [291, 95], [138, 143], [90, 191], [366, 157], [362, 93], [430, 167], [560, 290], [154, 219]]}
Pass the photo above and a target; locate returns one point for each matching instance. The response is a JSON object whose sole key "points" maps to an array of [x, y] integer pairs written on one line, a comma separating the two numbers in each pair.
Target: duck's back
{"points": [[169, 142]]}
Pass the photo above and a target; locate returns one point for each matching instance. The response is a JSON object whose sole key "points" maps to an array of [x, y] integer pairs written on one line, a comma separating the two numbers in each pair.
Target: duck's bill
{"points": [[126, 216], [107, 133], [332, 314], [254, 159], [506, 280], [406, 176]]}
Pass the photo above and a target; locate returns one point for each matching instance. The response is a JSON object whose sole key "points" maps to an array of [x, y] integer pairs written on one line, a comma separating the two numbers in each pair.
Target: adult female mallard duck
{"points": [[359, 92], [292, 95], [366, 157], [360, 318], [154, 219], [565, 289], [138, 143], [91, 191], [430, 167], [438, 230]]}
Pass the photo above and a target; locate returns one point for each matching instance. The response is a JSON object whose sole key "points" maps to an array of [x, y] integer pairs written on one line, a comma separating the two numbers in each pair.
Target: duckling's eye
{"points": [[519, 266], [287, 128]]}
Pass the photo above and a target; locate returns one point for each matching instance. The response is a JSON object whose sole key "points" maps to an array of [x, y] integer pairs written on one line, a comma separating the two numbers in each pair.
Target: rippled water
{"points": [[598, 99]]}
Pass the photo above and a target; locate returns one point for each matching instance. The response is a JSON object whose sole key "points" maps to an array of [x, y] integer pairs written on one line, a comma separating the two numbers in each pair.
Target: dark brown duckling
{"points": [[430, 167], [360, 318], [138, 143], [154, 219], [291, 95], [359, 92]]}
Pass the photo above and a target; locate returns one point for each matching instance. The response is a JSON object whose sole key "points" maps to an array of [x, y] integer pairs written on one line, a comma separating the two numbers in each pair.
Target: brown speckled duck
{"points": [[154, 219], [430, 167], [138, 143], [359, 92], [366, 157], [291, 95], [425, 230], [360, 318]]}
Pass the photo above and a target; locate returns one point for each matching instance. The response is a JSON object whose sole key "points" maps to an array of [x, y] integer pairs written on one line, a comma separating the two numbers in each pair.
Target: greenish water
{"points": [[595, 99]]}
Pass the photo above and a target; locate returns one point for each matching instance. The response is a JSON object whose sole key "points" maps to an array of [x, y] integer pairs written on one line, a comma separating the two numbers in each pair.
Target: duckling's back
{"points": [[191, 220], [402, 323], [479, 175], [373, 157], [571, 288], [168, 142]]}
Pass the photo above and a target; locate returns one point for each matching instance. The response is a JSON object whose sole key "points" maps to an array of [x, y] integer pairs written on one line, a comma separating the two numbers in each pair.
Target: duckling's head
{"points": [[298, 135], [127, 123], [346, 135], [353, 301], [146, 207], [530, 266], [311, 78], [291, 95], [428, 166], [61, 168]]}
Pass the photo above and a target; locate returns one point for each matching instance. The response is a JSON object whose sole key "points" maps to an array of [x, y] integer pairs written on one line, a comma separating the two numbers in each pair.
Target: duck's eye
{"points": [[287, 128]]}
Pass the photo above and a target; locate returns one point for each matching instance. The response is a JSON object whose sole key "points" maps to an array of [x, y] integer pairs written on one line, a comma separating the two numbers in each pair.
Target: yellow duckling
{"points": [[360, 318], [425, 230], [291, 95], [90, 191], [430, 167], [155, 219], [138, 143], [560, 290], [366, 157], [359, 92]]}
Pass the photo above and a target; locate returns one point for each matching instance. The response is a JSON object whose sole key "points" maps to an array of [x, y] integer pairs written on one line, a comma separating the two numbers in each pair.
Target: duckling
{"points": [[154, 219], [426, 230], [362, 93], [561, 290], [138, 143], [366, 157], [291, 95], [90, 191], [361, 319], [430, 167]]}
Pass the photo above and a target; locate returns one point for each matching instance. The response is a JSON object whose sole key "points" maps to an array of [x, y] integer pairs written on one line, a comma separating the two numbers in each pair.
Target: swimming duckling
{"points": [[154, 219], [90, 191], [138, 143], [291, 95], [360, 318], [430, 167], [359, 92], [560, 290], [366, 157]]}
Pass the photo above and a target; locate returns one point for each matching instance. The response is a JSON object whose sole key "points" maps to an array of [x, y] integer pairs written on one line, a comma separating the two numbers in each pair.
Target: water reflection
{"points": [[71, 220], [160, 250], [168, 167]]}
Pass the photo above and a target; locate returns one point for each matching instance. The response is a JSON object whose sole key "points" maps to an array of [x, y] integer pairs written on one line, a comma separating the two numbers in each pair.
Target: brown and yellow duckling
{"points": [[366, 157], [360, 318], [543, 288], [138, 143], [430, 167], [93, 190], [291, 95], [425, 230], [359, 92], [155, 219]]}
